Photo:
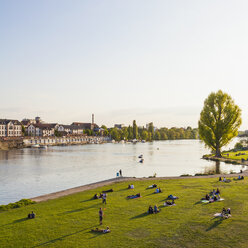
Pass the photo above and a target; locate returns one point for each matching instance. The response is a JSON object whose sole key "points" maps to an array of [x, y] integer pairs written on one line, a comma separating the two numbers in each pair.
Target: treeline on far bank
{"points": [[150, 133]]}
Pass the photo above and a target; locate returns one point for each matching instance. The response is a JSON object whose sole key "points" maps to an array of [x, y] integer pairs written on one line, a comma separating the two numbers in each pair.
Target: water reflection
{"points": [[218, 168]]}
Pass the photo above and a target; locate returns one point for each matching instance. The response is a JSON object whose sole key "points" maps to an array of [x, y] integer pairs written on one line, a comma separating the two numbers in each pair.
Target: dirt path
{"points": [[119, 179]]}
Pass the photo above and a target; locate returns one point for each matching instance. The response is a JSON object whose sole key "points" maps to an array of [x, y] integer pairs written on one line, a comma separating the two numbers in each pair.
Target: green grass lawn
{"points": [[67, 221], [232, 155]]}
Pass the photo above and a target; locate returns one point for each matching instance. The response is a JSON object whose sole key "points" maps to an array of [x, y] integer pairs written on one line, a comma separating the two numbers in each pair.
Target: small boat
{"points": [[142, 160], [35, 146], [140, 156], [43, 146]]}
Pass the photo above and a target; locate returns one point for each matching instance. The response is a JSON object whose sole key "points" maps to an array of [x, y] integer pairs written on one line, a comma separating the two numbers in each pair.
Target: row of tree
{"points": [[151, 133]]}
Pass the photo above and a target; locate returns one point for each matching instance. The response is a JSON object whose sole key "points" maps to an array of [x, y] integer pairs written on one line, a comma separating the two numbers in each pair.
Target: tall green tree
{"points": [[157, 135], [144, 135], [135, 130], [130, 132], [151, 129], [219, 121]]}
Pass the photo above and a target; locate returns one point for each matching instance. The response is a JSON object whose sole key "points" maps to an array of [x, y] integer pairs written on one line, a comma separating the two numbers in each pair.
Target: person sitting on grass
{"points": [[131, 186], [95, 196], [220, 179], [31, 216], [207, 197], [158, 190], [217, 191], [107, 230], [242, 178], [156, 210], [150, 210]]}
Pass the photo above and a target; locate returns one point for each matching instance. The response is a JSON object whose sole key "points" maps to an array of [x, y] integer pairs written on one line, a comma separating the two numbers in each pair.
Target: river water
{"points": [[32, 172]]}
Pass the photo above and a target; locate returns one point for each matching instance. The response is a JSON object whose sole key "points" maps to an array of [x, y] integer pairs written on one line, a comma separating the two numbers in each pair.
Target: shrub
{"points": [[21, 203]]}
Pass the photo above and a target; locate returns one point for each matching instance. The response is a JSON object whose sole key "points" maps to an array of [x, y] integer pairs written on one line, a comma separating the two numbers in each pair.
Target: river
{"points": [[31, 172]]}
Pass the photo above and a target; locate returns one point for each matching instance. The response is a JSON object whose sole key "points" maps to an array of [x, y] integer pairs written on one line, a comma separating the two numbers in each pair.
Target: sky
{"points": [[121, 60]]}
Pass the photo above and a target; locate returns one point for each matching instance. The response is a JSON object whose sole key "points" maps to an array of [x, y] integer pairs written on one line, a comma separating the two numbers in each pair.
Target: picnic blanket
{"points": [[210, 201]]}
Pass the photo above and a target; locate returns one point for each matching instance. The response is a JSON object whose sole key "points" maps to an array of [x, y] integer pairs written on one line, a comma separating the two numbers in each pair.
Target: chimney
{"points": [[93, 119]]}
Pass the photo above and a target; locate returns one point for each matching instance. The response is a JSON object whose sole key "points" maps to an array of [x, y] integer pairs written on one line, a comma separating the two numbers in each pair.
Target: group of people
{"points": [[213, 196], [240, 177], [154, 210], [102, 196]]}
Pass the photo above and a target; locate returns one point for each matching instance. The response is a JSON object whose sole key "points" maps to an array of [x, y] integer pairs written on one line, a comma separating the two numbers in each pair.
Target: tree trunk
{"points": [[217, 152]]}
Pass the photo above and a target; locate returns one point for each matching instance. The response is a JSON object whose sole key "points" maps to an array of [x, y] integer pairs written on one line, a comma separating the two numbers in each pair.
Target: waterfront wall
{"points": [[21, 142], [11, 143], [73, 140]]}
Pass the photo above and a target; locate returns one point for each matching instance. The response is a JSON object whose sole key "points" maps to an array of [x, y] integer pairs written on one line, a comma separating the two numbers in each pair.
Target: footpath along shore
{"points": [[120, 179]]}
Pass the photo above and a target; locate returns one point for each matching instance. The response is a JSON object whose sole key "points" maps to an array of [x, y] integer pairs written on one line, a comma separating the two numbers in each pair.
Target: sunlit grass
{"points": [[67, 221]]}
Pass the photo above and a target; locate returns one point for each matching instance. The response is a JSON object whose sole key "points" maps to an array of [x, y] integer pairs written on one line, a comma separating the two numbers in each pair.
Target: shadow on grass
{"points": [[79, 209], [61, 238], [218, 221], [122, 190], [91, 199], [199, 202], [15, 221], [139, 216]]}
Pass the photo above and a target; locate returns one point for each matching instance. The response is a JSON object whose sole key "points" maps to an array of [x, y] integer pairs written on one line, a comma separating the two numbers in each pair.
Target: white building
{"points": [[41, 129], [10, 128]]}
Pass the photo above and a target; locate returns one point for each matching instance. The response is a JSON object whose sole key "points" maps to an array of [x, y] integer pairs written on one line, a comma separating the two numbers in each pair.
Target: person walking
{"points": [[104, 198], [120, 173], [100, 215]]}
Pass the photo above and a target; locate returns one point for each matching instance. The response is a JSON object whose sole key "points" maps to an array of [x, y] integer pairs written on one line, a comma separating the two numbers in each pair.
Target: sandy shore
{"points": [[119, 179]]}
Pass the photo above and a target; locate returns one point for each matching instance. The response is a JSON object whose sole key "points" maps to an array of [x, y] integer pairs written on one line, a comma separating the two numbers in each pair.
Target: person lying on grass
{"points": [[107, 230], [171, 197], [106, 191], [170, 203], [152, 186], [134, 196], [225, 213]]}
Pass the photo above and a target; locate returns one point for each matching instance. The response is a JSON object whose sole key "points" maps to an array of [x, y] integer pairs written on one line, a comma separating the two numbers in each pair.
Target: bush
{"points": [[21, 203]]}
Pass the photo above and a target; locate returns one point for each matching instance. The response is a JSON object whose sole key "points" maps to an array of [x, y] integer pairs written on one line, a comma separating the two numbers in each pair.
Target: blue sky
{"points": [[122, 60]]}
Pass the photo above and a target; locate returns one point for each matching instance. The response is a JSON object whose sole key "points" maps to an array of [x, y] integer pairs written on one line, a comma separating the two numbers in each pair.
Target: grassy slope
{"points": [[66, 222]]}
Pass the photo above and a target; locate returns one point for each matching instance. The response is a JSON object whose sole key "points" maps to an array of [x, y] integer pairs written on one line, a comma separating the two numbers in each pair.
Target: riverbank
{"points": [[112, 181], [67, 221], [226, 160]]}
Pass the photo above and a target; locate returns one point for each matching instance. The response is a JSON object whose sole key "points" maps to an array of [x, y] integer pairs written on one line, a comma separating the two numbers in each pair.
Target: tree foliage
{"points": [[219, 121]]}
